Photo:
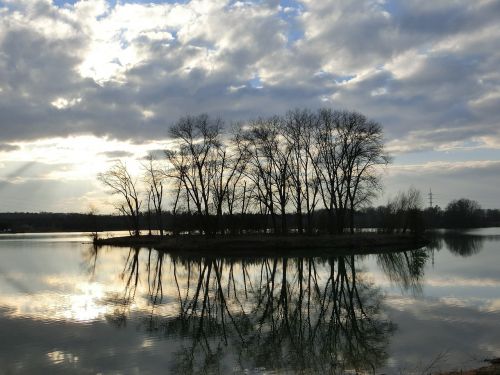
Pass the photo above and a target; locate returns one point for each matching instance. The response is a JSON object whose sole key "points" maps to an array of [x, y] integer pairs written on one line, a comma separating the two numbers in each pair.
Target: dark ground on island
{"points": [[261, 244]]}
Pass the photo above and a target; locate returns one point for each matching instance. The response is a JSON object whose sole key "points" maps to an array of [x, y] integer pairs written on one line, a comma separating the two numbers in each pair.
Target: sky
{"points": [[84, 83]]}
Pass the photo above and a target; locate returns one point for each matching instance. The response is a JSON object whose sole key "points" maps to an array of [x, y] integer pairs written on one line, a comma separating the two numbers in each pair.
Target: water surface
{"points": [[66, 307]]}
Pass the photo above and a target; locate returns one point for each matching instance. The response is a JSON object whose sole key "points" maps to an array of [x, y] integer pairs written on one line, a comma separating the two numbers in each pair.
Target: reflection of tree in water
{"points": [[405, 268], [323, 322], [90, 259], [459, 243], [303, 314], [463, 244], [130, 275]]}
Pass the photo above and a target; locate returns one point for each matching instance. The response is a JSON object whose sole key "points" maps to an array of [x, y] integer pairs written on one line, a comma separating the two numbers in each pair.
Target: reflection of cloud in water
{"points": [[382, 280], [491, 306], [82, 305], [59, 357], [433, 326], [447, 309], [54, 346], [142, 311], [462, 282]]}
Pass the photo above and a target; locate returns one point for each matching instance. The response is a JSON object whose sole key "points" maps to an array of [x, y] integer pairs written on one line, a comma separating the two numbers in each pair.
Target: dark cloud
{"points": [[6, 147], [117, 154], [156, 154], [195, 71]]}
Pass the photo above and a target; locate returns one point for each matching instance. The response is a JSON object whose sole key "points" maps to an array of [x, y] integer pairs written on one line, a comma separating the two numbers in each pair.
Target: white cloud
{"points": [[62, 103]]}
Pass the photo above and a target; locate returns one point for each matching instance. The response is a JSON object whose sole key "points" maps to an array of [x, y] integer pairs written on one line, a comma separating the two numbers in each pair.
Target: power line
{"points": [[433, 197]]}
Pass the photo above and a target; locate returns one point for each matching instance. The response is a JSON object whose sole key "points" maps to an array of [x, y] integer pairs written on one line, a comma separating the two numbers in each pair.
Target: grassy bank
{"points": [[269, 244]]}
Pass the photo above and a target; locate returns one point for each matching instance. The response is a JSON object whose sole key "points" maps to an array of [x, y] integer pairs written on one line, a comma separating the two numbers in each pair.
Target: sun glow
{"points": [[85, 306], [58, 357], [81, 157]]}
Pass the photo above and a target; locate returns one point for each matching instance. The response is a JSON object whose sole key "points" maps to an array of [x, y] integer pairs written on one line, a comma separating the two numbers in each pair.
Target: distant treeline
{"points": [[459, 213], [24, 222], [59, 222], [462, 213]]}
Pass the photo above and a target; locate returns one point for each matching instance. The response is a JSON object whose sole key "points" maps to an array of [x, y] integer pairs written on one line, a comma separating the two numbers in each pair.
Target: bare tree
{"points": [[269, 168], [192, 161], [226, 172], [297, 130], [120, 182], [280, 156], [327, 166], [350, 150], [403, 211], [154, 177], [363, 153]]}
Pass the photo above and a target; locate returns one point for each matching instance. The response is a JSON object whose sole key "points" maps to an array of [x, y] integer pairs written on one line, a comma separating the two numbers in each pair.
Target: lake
{"points": [[67, 307]]}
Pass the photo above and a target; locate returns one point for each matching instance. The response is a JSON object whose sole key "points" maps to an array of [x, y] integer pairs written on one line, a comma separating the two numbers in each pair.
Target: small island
{"points": [[275, 185], [260, 245]]}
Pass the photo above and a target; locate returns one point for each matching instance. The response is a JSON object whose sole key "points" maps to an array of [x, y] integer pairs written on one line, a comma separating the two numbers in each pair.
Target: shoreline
{"points": [[252, 244], [492, 369]]}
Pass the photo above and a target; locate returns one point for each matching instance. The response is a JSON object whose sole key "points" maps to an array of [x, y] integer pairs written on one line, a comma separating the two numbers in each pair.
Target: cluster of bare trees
{"points": [[276, 167], [404, 212]]}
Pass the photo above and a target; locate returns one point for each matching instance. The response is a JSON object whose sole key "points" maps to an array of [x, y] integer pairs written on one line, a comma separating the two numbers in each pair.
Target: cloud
{"points": [[156, 154], [36, 195], [129, 70], [117, 154], [17, 171], [474, 179], [427, 71], [6, 147]]}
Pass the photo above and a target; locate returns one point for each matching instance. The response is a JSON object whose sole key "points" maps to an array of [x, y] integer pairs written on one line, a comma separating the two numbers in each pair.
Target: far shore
{"points": [[259, 244], [492, 369]]}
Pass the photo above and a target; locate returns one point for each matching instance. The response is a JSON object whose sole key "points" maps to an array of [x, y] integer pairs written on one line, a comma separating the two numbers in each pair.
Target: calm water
{"points": [[66, 307]]}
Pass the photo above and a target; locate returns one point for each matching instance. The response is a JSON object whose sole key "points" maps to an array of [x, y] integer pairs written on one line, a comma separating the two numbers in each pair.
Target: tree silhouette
{"points": [[281, 168], [120, 182]]}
